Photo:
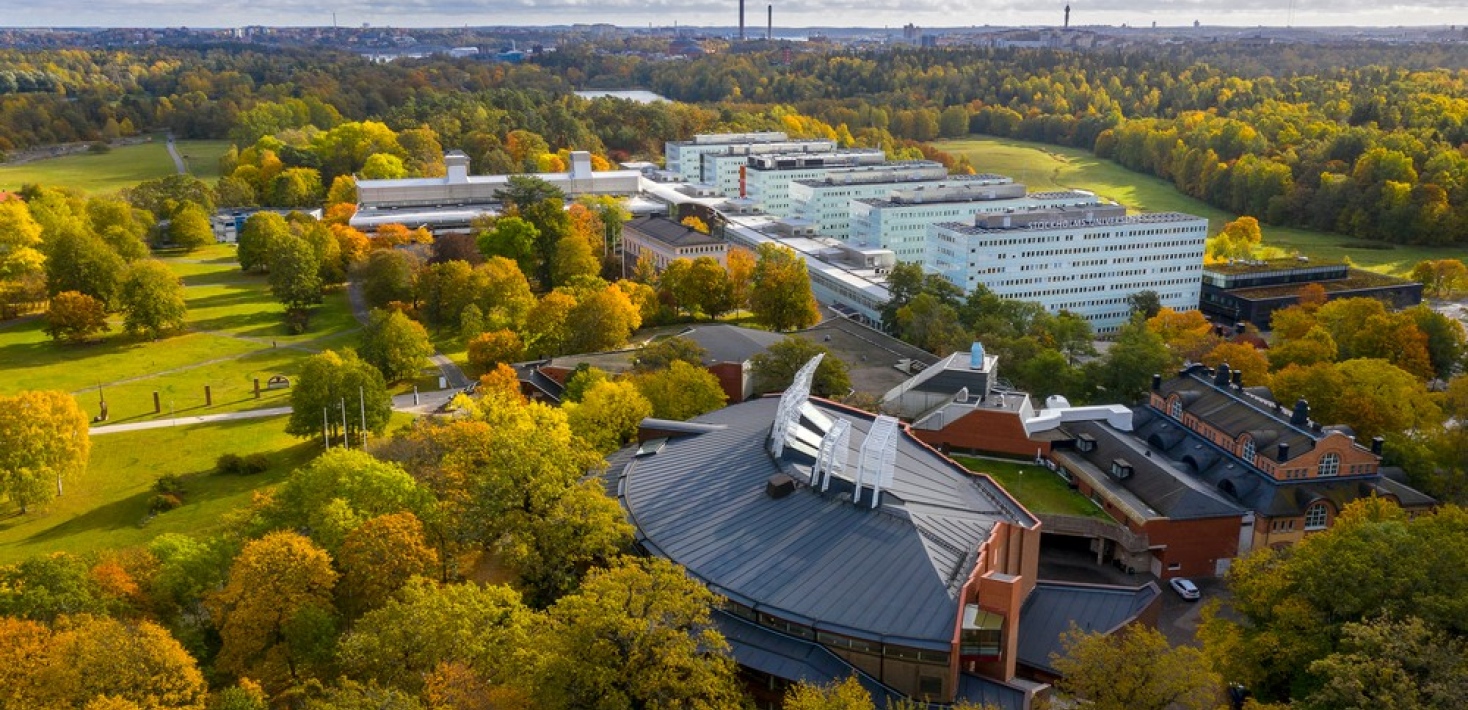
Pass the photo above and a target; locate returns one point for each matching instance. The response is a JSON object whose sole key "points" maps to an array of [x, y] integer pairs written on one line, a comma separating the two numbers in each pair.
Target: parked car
{"points": [[1185, 588]]}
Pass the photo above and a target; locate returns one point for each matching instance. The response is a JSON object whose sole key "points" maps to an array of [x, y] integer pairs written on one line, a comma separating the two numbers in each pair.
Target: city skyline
{"points": [[813, 13]]}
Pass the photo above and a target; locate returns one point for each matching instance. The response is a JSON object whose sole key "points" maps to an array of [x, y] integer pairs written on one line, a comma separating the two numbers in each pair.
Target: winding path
{"points": [[178, 163], [452, 374]]}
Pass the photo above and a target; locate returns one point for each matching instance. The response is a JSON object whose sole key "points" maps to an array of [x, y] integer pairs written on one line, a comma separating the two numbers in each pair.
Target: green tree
{"points": [[395, 344], [259, 238], [340, 490], [635, 634], [48, 587], [512, 238], [582, 379], [152, 299], [1148, 303], [295, 280], [583, 531], [606, 415], [75, 317], [384, 166], [1135, 669], [931, 325], [1387, 663], [682, 391], [389, 275], [781, 298], [1315, 346], [659, 355], [81, 262], [46, 442], [326, 381], [775, 368], [190, 227], [1123, 375], [164, 196]]}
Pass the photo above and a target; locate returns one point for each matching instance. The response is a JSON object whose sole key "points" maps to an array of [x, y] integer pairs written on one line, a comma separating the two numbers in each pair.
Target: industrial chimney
{"points": [[1067, 17], [741, 20], [769, 22]]}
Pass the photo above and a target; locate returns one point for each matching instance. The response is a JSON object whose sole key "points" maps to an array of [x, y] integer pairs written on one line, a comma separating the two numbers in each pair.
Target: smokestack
{"points": [[1067, 17], [741, 20], [769, 22]]}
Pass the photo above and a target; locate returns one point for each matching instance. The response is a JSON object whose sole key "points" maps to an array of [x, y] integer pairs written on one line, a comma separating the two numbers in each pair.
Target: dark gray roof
{"points": [[730, 343], [784, 656], [662, 229], [1236, 413], [1156, 482], [988, 692], [1053, 606], [891, 574]]}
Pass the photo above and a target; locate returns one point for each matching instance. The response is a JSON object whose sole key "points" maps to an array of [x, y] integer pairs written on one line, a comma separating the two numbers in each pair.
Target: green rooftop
{"points": [[1036, 487]]}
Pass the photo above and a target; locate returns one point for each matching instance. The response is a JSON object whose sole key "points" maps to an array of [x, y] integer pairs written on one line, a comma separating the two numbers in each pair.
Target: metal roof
{"points": [[1053, 606], [891, 574], [730, 343], [666, 231], [783, 656], [1236, 413], [1159, 484]]}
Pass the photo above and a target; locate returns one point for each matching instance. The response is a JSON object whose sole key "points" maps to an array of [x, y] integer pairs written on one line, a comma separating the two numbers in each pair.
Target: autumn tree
{"points": [[1241, 357], [20, 241], [1238, 240], [546, 331], [47, 587], [602, 319], [152, 299], [663, 353], [327, 381], [277, 583], [1187, 334], [1443, 278], [499, 346], [775, 368], [583, 531], [1313, 347], [681, 391], [1371, 396], [1135, 669], [75, 317], [636, 633], [379, 556], [845, 695], [46, 442], [781, 297], [395, 344], [606, 415], [189, 228], [1384, 662], [740, 266], [336, 493], [137, 662], [694, 223]]}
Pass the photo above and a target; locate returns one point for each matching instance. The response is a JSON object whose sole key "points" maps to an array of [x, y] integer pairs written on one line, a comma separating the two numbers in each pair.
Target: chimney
{"points": [[1221, 376], [769, 22], [1284, 452], [1376, 444], [1156, 382], [1301, 415], [741, 20], [1238, 379]]}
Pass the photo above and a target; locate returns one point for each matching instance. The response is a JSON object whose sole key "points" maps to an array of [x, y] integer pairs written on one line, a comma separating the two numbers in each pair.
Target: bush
{"points": [[255, 463], [169, 484], [229, 463], [164, 502], [234, 464]]}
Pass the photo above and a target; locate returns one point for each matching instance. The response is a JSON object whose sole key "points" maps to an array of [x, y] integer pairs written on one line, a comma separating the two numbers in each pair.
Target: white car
{"points": [[1185, 588]]}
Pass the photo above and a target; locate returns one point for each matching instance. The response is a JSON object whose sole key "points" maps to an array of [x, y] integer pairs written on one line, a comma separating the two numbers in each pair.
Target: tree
{"points": [[258, 239], [546, 331], [1241, 357], [75, 317], [1389, 663], [1187, 334], [395, 344], [46, 442], [1446, 341], [1238, 240], [607, 413], [512, 238], [384, 166], [1443, 278], [584, 530], [81, 262], [781, 298], [135, 662], [295, 280], [390, 275], [1371, 396], [1315, 346], [931, 325], [20, 241], [152, 299], [1148, 303], [1135, 669], [379, 556], [190, 227], [504, 295], [602, 319], [660, 354], [635, 634], [741, 265], [845, 695], [340, 490], [276, 582], [694, 223], [48, 587], [325, 382], [164, 196], [775, 368], [1124, 373], [682, 391], [500, 346], [573, 259], [427, 626]]}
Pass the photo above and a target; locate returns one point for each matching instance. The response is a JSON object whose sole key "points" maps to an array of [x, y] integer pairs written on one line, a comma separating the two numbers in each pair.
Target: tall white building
{"points": [[716, 159], [767, 178], [826, 201], [900, 220], [1085, 259]]}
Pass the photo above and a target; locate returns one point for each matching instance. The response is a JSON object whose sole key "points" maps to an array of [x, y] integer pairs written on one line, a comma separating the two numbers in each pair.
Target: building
{"points": [[451, 202], [724, 169], [845, 546], [228, 223], [766, 178], [826, 200], [900, 220], [1245, 291], [667, 241], [1083, 259], [716, 159]]}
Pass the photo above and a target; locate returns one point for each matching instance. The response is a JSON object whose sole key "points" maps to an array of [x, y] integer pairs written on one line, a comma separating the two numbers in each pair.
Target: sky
{"points": [[639, 13]]}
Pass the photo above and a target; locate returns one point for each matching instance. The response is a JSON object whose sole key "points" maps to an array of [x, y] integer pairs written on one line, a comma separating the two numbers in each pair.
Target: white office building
{"points": [[1083, 259], [767, 178], [716, 159], [900, 221], [826, 201]]}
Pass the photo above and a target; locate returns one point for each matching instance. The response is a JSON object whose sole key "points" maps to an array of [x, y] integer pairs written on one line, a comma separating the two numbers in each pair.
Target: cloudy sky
{"points": [[799, 13]]}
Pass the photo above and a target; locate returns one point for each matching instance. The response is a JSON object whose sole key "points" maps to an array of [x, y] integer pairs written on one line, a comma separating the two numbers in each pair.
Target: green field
{"points": [[1047, 167], [1035, 487], [123, 166]]}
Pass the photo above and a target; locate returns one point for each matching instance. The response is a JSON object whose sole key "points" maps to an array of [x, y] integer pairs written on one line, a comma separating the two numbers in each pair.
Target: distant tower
{"points": [[741, 20], [1067, 17], [769, 22]]}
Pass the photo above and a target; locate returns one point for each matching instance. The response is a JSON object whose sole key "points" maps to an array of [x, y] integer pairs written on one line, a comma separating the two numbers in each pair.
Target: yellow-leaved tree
{"points": [[45, 442]]}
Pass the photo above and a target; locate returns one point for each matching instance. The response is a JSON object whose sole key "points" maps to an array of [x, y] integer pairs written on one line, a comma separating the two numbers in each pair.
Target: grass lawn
{"points": [[123, 166], [201, 157], [1036, 487], [108, 508], [1047, 167]]}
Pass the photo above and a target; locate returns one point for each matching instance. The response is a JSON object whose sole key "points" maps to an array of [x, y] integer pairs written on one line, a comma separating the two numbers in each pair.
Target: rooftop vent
{"points": [[779, 486]]}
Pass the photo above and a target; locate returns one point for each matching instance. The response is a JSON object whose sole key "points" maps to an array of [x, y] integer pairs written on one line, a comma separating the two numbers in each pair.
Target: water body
{"points": [[638, 95]]}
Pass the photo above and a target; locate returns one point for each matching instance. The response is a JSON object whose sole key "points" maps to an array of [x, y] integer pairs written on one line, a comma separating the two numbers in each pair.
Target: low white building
{"points": [[767, 178], [667, 241], [826, 201], [1086, 259], [715, 159], [900, 221]]}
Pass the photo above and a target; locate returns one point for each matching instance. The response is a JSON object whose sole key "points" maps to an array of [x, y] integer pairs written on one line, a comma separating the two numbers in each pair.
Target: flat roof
{"points": [[892, 574], [1129, 220], [941, 199]]}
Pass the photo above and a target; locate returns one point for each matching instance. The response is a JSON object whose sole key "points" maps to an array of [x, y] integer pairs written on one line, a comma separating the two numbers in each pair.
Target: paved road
{"points": [[178, 163], [427, 402]]}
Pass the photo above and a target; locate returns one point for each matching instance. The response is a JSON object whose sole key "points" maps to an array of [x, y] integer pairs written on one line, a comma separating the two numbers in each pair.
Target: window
{"points": [[1248, 449], [1330, 465], [1315, 516], [1175, 409]]}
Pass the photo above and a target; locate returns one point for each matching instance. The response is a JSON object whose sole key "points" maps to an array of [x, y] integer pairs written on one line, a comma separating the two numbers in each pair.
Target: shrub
{"points": [[164, 502], [169, 484], [255, 463], [229, 463], [236, 465]]}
